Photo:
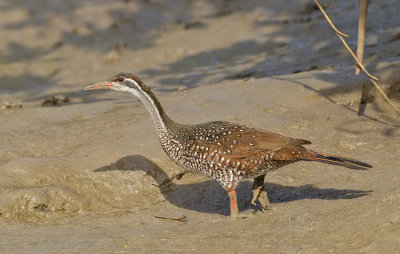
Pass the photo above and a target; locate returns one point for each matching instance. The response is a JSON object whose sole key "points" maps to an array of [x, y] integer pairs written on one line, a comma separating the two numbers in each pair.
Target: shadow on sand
{"points": [[210, 197]]}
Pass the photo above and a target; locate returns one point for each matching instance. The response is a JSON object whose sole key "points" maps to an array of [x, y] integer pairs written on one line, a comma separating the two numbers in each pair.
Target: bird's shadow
{"points": [[210, 197]]}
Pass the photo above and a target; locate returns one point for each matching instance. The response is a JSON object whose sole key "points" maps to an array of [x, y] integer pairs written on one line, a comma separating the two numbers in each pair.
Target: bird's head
{"points": [[124, 82]]}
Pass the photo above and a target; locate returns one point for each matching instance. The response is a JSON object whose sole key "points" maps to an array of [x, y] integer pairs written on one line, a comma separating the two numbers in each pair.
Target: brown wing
{"points": [[252, 141], [238, 141]]}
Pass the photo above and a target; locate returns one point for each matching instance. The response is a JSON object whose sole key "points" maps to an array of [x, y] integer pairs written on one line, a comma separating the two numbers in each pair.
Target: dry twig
{"points": [[371, 77], [181, 219]]}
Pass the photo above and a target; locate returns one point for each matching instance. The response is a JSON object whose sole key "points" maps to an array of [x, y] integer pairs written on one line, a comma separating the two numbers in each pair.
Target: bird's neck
{"points": [[161, 121]]}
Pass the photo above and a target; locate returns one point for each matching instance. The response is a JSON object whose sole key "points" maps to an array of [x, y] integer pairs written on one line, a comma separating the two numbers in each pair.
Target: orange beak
{"points": [[101, 85]]}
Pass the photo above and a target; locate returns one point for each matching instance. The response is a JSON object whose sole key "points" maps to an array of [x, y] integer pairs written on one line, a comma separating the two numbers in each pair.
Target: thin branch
{"points": [[371, 77], [341, 35], [181, 219], [362, 22], [329, 20]]}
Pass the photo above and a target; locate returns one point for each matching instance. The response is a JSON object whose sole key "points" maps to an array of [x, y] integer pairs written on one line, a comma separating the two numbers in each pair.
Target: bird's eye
{"points": [[120, 79]]}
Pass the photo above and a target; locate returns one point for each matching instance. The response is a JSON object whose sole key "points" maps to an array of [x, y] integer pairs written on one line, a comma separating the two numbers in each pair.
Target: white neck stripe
{"points": [[148, 101]]}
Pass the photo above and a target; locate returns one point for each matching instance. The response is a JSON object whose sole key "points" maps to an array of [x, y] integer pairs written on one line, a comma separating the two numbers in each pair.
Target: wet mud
{"points": [[87, 174]]}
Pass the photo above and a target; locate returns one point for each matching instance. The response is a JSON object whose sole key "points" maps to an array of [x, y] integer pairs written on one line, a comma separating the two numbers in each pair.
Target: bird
{"points": [[227, 152]]}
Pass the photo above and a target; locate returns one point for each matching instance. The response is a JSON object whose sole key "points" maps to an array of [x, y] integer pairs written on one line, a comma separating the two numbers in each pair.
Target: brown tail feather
{"points": [[337, 160]]}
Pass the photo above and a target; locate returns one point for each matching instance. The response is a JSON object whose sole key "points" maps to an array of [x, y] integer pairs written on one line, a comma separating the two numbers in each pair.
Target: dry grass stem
{"points": [[180, 219], [371, 77], [329, 20], [362, 22]]}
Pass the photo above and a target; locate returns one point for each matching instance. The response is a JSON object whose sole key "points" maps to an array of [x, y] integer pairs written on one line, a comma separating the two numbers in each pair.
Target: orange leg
{"points": [[233, 202]]}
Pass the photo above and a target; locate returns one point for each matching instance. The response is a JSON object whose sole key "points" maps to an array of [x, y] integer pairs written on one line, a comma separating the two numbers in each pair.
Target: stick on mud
{"points": [[181, 219]]}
